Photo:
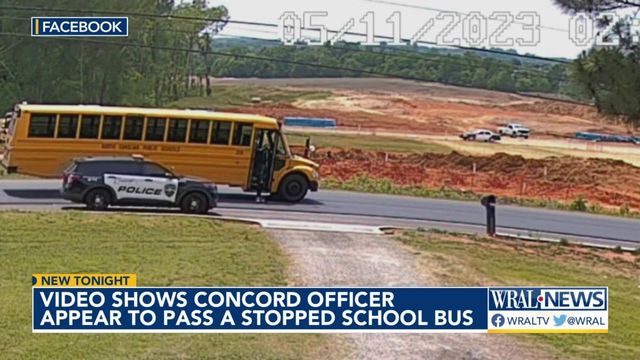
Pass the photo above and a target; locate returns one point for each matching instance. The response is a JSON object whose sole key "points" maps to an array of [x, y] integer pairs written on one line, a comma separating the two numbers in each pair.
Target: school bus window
{"points": [[42, 125], [111, 127], [177, 130], [221, 133], [68, 126], [133, 128], [199, 131], [89, 126], [155, 129], [242, 134]]}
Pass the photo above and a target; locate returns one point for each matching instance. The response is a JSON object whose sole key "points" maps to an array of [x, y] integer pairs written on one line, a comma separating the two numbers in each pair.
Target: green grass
{"points": [[229, 96], [162, 251], [363, 183], [472, 261], [373, 143]]}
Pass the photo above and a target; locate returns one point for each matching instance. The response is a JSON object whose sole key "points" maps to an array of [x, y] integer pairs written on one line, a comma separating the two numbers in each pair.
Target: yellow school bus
{"points": [[242, 150]]}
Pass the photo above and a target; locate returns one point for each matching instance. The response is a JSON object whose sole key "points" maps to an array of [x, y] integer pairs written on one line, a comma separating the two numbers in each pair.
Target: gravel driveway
{"points": [[346, 259]]}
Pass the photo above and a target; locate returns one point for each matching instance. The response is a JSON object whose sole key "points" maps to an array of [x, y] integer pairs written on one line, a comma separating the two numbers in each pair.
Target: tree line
{"points": [[466, 69], [66, 70], [151, 66], [610, 75]]}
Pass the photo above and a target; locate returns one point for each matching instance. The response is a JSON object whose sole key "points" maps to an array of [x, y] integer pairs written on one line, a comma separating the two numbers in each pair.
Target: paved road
{"points": [[382, 210]]}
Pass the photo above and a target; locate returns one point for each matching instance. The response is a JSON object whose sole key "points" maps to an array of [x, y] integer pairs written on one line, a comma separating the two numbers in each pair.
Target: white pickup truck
{"points": [[514, 130], [480, 135]]}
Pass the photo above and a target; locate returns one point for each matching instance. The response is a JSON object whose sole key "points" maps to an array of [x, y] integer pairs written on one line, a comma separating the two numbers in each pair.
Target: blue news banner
{"points": [[145, 309], [187, 309]]}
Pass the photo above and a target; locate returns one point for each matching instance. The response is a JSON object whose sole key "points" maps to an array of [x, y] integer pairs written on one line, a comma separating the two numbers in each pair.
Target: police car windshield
{"points": [[152, 169]]}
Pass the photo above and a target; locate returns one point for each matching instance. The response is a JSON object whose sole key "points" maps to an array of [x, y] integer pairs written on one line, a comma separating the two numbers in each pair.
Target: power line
{"points": [[382, 52], [132, 13], [456, 60], [422, 7], [378, 50], [267, 59], [228, 20]]}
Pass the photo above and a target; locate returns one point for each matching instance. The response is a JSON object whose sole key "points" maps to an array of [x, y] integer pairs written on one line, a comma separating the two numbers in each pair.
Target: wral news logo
{"points": [[79, 26], [566, 309], [547, 299]]}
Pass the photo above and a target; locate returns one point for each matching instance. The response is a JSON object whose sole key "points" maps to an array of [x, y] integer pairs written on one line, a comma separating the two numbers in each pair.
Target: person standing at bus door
{"points": [[262, 162]]}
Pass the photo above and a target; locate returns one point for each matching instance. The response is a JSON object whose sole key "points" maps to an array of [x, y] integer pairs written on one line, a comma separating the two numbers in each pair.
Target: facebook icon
{"points": [[497, 320]]}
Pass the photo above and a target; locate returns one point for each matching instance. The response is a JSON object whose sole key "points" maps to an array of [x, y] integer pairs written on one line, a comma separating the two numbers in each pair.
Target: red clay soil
{"points": [[609, 183], [350, 120], [416, 107], [446, 118]]}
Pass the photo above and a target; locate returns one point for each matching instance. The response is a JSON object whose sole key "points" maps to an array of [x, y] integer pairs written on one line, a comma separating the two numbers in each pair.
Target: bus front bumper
{"points": [[313, 185]]}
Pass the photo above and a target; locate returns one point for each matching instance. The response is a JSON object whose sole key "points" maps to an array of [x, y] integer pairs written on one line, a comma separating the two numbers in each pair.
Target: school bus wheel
{"points": [[293, 188], [98, 199]]}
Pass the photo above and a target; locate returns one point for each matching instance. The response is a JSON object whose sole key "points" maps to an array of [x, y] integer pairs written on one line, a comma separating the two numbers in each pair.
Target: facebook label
{"points": [[560, 310], [79, 26]]}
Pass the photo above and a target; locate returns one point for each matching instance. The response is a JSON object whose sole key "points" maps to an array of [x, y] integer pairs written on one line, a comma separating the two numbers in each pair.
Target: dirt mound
{"points": [[559, 108], [610, 183]]}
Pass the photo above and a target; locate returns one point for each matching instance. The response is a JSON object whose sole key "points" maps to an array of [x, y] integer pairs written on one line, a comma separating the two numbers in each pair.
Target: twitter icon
{"points": [[559, 320]]}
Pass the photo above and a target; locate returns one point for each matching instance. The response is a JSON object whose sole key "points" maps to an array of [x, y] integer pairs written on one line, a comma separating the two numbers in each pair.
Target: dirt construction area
{"points": [[515, 169], [416, 107], [561, 179]]}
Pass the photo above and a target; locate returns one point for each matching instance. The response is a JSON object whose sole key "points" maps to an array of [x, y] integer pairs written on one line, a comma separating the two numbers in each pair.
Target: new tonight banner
{"points": [[188, 309]]}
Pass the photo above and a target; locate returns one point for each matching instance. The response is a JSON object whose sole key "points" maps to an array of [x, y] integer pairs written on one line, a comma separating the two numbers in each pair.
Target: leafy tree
{"points": [[149, 67], [609, 75], [76, 70]]}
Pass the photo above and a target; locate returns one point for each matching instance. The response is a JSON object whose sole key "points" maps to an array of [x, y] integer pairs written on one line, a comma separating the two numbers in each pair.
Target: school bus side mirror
{"points": [[308, 148]]}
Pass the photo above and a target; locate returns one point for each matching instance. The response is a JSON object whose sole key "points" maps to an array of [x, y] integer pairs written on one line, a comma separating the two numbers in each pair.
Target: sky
{"points": [[554, 35]]}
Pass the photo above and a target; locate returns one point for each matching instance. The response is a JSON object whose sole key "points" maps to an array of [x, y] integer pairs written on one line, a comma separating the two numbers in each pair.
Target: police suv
{"points": [[134, 181]]}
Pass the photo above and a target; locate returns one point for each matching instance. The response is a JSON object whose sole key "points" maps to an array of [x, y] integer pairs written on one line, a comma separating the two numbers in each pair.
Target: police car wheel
{"points": [[195, 203], [293, 188], [98, 199]]}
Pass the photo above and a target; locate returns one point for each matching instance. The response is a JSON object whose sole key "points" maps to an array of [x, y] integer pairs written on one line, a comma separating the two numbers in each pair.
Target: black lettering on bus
{"points": [[128, 147]]}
